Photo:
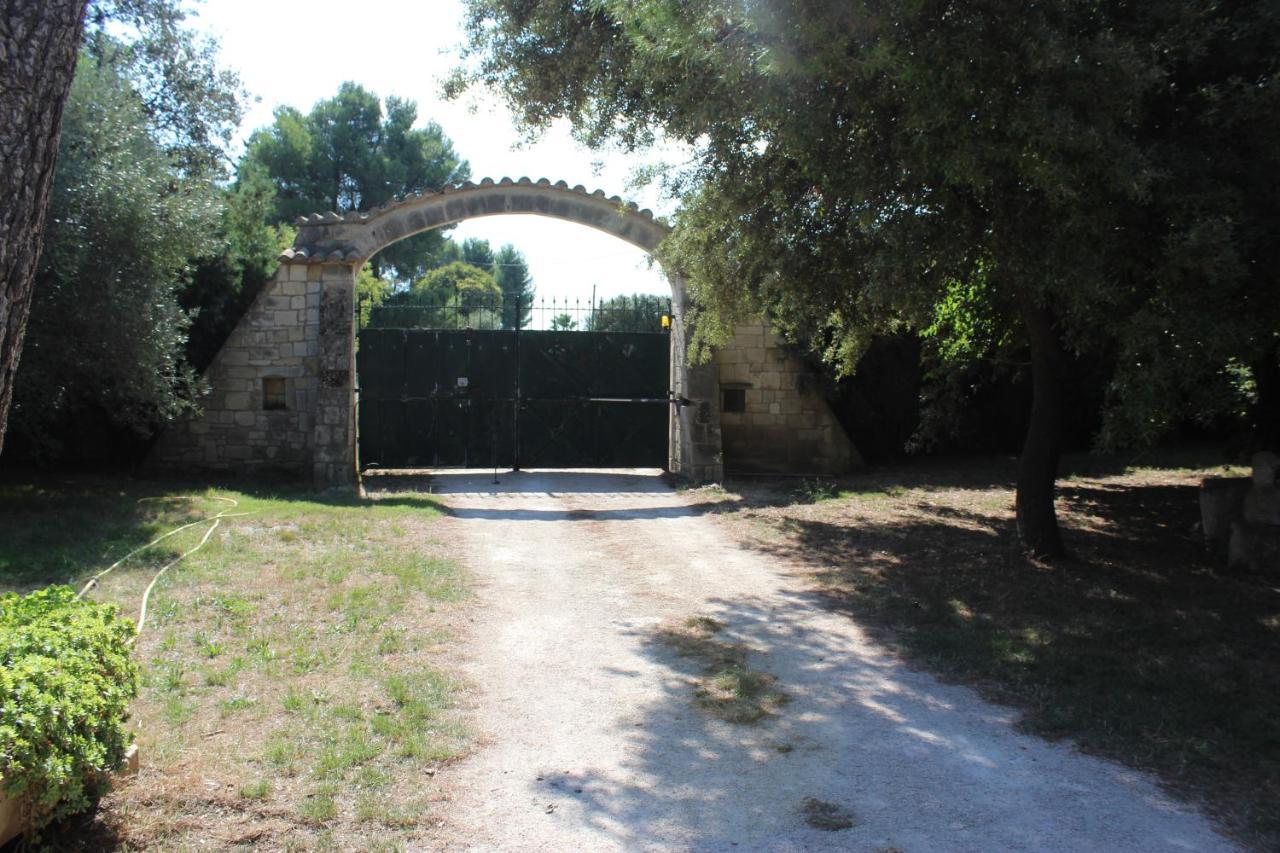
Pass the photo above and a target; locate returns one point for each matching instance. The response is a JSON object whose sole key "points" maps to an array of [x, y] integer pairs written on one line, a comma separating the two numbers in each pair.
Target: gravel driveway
{"points": [[591, 740]]}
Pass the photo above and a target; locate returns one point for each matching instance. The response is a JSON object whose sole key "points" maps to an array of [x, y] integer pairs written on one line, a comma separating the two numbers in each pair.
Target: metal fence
{"points": [[643, 313]]}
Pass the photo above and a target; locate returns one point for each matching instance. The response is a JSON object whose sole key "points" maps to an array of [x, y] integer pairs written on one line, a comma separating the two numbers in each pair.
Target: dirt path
{"points": [[591, 739]]}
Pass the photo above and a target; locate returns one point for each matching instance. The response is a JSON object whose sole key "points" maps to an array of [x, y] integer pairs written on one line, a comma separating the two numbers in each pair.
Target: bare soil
{"points": [[1141, 646], [591, 733]]}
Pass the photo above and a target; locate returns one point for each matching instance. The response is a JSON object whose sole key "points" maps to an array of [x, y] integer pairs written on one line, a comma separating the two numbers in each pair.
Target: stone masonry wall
{"points": [[787, 426], [279, 338], [695, 425]]}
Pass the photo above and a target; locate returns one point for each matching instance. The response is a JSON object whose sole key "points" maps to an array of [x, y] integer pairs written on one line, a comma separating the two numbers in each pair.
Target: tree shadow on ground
{"points": [[1140, 647], [557, 482], [61, 529], [917, 765]]}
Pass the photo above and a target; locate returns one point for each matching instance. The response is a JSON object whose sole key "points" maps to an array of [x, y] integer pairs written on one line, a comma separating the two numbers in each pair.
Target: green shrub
{"points": [[66, 678], [815, 490]]}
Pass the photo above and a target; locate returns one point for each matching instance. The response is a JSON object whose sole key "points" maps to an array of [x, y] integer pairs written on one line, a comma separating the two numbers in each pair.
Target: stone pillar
{"points": [[334, 444], [695, 452]]}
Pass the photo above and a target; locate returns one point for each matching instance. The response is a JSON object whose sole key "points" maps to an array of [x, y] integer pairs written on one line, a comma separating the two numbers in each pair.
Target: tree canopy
{"points": [[354, 152], [508, 268], [143, 236], [456, 295], [860, 165], [640, 312], [106, 333]]}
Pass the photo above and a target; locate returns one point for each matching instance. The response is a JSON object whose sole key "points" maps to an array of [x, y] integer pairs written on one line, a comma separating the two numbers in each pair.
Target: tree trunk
{"points": [[1038, 467], [39, 40]]}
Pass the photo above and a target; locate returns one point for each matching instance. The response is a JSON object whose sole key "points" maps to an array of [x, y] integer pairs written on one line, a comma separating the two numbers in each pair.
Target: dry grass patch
{"points": [[826, 816], [290, 695], [728, 689], [1142, 647]]}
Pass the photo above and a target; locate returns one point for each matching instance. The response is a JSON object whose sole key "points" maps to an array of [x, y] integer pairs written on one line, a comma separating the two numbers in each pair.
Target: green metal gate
{"points": [[534, 399]]}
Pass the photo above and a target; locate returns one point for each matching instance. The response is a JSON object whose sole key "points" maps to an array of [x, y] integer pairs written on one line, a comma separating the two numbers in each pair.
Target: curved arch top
{"points": [[357, 236]]}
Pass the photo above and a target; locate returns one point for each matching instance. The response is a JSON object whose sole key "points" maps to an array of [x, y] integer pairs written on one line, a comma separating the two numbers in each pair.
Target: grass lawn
{"points": [[293, 692], [1141, 648]]}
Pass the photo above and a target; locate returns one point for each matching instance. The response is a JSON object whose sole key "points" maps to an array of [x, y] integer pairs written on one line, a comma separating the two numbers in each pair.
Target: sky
{"points": [[296, 53]]}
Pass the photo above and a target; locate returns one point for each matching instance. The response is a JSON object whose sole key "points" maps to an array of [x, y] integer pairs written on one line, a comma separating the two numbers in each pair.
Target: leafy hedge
{"points": [[66, 678]]}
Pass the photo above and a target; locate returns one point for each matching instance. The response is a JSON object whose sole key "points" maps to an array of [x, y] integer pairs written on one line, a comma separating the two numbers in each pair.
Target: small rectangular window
{"points": [[733, 400], [273, 394]]}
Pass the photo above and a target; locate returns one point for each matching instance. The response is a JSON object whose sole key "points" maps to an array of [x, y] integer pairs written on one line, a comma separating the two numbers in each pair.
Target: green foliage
{"points": [[192, 105], [968, 326], [371, 291], [66, 678], [815, 490], [473, 250], [509, 270], [136, 197], [563, 323], [457, 295], [106, 332], [1115, 167], [468, 286], [225, 282], [853, 160], [969, 343], [348, 153], [640, 312]]}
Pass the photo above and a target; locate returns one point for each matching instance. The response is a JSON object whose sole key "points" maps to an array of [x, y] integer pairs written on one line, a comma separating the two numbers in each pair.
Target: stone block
{"points": [[297, 303], [246, 419], [1262, 504], [293, 288], [1255, 547], [237, 400], [285, 318], [1221, 503], [297, 272], [1266, 468]]}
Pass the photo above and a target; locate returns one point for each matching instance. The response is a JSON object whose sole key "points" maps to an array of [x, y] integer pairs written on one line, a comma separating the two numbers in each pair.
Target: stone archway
{"points": [[282, 394]]}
